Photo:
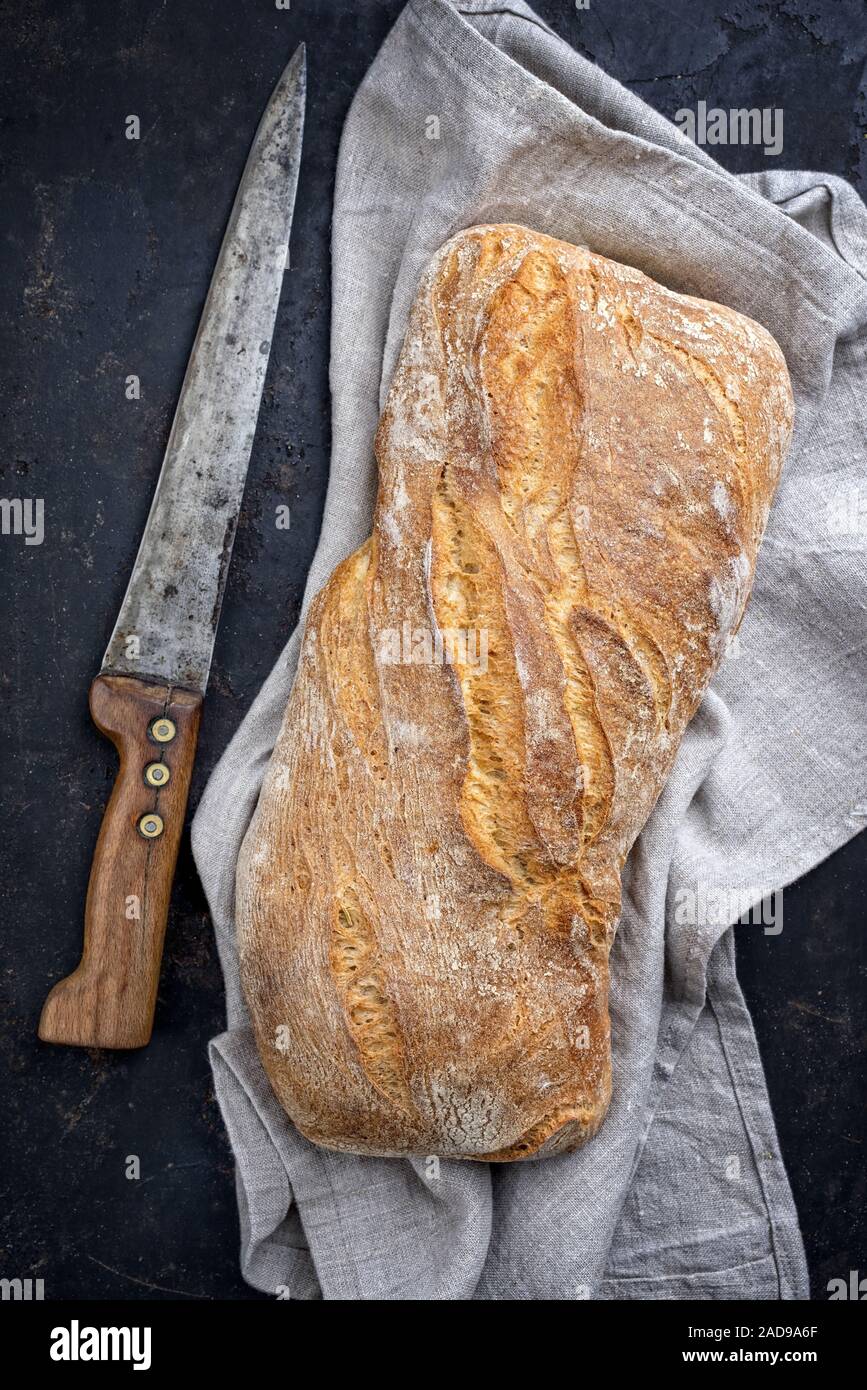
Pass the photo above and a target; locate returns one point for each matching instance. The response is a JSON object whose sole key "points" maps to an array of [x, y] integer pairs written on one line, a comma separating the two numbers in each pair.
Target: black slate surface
{"points": [[107, 251]]}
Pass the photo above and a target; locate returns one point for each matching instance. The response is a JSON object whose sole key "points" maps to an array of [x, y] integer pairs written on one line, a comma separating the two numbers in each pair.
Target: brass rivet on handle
{"points": [[151, 825], [163, 730], [157, 774]]}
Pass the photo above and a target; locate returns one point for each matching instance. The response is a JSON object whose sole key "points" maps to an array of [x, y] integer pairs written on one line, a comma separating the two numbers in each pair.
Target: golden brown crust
{"points": [[576, 466]]}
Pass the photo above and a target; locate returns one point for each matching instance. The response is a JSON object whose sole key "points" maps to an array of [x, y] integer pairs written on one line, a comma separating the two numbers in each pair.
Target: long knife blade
{"points": [[147, 698], [172, 605]]}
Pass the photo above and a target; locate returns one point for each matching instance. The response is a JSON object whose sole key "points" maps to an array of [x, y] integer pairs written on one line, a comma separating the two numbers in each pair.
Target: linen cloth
{"points": [[683, 1193]]}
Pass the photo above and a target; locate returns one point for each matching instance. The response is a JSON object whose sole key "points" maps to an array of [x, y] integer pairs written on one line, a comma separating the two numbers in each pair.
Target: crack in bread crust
{"points": [[360, 984], [577, 463]]}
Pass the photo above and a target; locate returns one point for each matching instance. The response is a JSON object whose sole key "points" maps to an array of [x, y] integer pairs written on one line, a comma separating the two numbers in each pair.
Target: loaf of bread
{"points": [[575, 472]]}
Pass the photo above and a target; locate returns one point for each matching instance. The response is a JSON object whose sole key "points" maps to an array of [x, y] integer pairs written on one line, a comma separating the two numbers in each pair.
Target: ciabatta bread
{"points": [[575, 471]]}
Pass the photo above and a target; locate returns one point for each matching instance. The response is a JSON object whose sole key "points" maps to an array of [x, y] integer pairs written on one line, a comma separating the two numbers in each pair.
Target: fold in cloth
{"points": [[683, 1193]]}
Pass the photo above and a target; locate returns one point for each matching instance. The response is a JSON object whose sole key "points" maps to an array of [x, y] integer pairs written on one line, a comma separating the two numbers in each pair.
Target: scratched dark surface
{"points": [[107, 251]]}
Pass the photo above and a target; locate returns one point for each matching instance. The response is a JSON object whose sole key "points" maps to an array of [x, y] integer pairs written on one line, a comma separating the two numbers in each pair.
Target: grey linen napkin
{"points": [[683, 1193]]}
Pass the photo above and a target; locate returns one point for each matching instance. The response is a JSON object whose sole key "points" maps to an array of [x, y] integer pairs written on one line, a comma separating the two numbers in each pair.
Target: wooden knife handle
{"points": [[108, 1001]]}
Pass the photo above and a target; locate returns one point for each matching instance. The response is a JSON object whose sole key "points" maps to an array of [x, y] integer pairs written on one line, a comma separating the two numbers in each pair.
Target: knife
{"points": [[148, 695]]}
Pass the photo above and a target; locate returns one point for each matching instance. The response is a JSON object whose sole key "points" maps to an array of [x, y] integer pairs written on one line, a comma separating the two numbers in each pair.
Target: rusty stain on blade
{"points": [[172, 604]]}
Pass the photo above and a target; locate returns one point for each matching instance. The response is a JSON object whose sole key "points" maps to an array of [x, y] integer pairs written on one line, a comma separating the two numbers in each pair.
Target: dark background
{"points": [[107, 251]]}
